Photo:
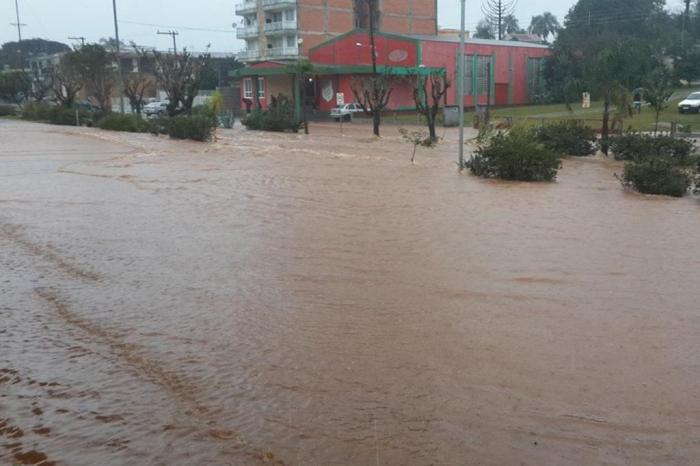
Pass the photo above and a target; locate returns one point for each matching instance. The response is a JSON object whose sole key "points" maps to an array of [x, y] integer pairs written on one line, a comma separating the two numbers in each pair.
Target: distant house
{"points": [[529, 38]]}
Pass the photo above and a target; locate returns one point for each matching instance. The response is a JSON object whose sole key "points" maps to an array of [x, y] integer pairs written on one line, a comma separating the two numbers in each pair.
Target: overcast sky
{"points": [[59, 19]]}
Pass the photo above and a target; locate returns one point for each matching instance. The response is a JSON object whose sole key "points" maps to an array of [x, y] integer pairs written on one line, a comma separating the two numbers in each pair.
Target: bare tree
{"points": [[135, 87], [428, 98], [496, 12], [94, 65], [180, 76], [66, 82], [373, 93]]}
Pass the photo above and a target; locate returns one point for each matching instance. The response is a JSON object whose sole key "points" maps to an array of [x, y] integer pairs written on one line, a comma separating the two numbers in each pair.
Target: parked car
{"points": [[345, 112], [690, 104], [156, 108]]}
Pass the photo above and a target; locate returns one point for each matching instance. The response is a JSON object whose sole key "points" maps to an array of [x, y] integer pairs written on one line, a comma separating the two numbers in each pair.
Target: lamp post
{"points": [[460, 86]]}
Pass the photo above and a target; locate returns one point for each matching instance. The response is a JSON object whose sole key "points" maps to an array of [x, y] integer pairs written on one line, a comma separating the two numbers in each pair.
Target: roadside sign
{"points": [[340, 99], [586, 102]]}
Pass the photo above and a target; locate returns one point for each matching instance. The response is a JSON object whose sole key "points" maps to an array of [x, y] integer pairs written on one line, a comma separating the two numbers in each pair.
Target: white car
{"points": [[690, 104], [345, 112], [156, 108]]}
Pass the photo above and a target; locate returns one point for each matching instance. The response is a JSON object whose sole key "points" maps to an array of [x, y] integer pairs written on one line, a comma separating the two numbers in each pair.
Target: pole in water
{"points": [[119, 58], [460, 85]]}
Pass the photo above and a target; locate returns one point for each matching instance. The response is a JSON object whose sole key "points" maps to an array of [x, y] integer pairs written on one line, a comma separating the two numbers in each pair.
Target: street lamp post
{"points": [[120, 86], [460, 85]]}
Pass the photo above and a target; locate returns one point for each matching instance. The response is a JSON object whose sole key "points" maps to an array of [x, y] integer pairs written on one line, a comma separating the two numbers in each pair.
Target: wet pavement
{"points": [[318, 300]]}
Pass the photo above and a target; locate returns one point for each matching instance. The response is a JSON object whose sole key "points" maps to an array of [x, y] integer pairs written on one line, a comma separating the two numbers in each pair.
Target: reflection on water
{"points": [[282, 299]]}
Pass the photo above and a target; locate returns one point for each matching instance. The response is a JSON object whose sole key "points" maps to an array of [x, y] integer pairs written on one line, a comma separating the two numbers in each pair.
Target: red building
{"points": [[496, 72]]}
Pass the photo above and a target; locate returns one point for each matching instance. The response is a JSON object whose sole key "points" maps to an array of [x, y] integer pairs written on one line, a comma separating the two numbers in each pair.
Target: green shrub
{"points": [[637, 147], [656, 176], [118, 122], [157, 126], [195, 127], [207, 112], [36, 112], [65, 116], [568, 137], [516, 155], [7, 110], [279, 116]]}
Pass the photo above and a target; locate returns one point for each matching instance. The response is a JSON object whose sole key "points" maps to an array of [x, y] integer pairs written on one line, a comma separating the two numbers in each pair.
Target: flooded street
{"points": [[284, 299]]}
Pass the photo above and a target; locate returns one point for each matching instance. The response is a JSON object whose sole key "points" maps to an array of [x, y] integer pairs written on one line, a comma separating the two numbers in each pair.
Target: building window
{"points": [[289, 15], [291, 41], [261, 88], [361, 14], [477, 74], [535, 78], [248, 88]]}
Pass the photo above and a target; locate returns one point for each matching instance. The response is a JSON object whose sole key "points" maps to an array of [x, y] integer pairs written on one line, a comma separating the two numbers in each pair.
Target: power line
{"points": [[170, 26], [80, 38]]}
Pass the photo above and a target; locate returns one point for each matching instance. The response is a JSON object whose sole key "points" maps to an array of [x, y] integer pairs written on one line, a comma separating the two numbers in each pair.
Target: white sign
{"points": [[340, 99], [586, 102]]}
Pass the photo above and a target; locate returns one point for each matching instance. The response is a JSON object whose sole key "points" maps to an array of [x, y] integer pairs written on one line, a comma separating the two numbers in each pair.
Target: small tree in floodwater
{"points": [[658, 91], [417, 138], [428, 100]]}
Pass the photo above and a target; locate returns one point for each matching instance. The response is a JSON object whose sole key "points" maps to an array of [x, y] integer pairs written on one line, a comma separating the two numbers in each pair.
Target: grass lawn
{"points": [[534, 114]]}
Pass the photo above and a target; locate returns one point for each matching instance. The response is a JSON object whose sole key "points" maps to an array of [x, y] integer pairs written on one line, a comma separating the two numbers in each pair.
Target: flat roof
{"points": [[504, 43]]}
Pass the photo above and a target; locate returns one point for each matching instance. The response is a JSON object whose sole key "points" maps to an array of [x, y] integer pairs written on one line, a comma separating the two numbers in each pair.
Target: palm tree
{"points": [[544, 25]]}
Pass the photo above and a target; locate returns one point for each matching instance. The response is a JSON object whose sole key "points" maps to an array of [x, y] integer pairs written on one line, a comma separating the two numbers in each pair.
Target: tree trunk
{"points": [[376, 121], [605, 133], [656, 122], [431, 126]]}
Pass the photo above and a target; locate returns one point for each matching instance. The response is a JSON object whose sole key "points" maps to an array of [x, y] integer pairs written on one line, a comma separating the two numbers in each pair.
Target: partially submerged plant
{"points": [[417, 138]]}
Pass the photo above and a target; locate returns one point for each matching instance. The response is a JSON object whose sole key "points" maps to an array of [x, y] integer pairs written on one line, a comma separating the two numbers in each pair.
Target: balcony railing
{"points": [[280, 26], [247, 31], [282, 52], [268, 54], [278, 4], [246, 7]]}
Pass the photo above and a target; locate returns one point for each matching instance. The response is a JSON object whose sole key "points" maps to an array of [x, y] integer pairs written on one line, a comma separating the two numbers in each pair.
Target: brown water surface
{"points": [[282, 299]]}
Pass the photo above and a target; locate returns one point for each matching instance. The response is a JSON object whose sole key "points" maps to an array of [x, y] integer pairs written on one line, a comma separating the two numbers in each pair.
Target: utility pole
{"points": [[19, 25], [120, 86], [685, 20], [460, 84], [174, 35], [81, 39]]}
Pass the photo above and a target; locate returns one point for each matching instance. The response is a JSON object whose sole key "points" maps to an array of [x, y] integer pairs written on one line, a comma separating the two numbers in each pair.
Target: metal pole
{"points": [[120, 85], [460, 85]]}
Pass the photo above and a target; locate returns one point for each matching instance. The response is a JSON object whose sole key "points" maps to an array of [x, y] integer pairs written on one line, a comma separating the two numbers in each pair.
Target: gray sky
{"points": [[59, 19]]}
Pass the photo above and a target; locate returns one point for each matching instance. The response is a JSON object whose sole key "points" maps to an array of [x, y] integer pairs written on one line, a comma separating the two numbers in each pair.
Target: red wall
{"points": [[444, 55], [391, 51]]}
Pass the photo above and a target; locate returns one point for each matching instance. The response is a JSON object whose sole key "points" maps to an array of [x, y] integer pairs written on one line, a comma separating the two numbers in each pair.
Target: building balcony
{"points": [[280, 27], [247, 32], [246, 8], [280, 53], [271, 5]]}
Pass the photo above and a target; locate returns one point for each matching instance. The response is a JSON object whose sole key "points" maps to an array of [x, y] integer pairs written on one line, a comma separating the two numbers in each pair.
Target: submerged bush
{"points": [[56, 115], [118, 122], [568, 137], [656, 176], [7, 110], [279, 116], [36, 112], [195, 127], [638, 147], [516, 155]]}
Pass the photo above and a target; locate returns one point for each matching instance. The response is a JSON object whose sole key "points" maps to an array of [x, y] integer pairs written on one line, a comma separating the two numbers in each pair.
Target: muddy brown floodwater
{"points": [[282, 299]]}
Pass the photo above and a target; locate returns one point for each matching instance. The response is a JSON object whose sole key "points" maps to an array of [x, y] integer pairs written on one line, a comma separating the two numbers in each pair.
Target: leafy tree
{"points": [[658, 91], [606, 58], [180, 76], [10, 52], [428, 93], [94, 65], [511, 25], [544, 25], [484, 30], [15, 86]]}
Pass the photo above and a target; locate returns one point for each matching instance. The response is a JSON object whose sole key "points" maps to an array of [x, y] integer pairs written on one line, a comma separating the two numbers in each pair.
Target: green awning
{"points": [[338, 69]]}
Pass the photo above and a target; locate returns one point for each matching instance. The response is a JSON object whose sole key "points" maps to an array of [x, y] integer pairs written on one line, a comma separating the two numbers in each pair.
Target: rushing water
{"points": [[282, 299]]}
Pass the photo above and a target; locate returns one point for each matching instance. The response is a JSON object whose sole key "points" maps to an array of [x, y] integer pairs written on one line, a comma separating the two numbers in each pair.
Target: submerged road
{"points": [[282, 299]]}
